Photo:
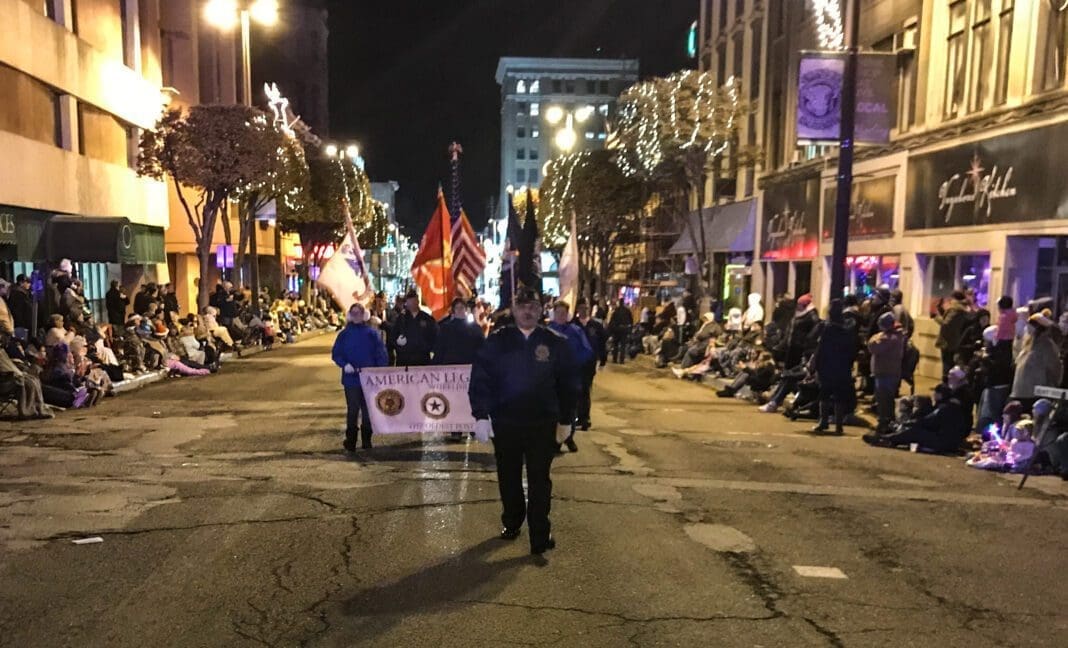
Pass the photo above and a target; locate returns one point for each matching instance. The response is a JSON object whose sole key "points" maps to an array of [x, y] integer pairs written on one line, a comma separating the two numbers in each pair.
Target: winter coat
{"points": [[621, 321], [1039, 364], [835, 356], [21, 304], [952, 323], [887, 352], [360, 346], [412, 338], [598, 337], [802, 326], [581, 351], [116, 304], [458, 342], [755, 313]]}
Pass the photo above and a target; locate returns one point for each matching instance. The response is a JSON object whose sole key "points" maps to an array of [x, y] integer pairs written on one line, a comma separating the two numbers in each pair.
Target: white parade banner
{"points": [[418, 400]]}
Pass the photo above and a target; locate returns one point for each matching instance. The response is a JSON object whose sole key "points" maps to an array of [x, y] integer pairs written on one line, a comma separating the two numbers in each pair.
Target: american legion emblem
{"points": [[435, 405], [390, 402]]}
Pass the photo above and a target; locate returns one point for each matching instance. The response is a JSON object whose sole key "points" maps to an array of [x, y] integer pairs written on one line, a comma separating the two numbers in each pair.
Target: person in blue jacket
{"points": [[581, 351], [357, 346]]}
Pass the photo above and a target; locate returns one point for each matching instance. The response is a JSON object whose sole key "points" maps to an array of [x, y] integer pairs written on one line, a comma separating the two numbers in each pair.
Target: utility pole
{"points": [[845, 152]]}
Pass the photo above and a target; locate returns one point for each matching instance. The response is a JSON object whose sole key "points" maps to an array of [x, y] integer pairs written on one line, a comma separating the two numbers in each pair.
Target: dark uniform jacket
{"points": [[524, 381], [597, 336], [21, 304], [412, 338], [458, 341]]}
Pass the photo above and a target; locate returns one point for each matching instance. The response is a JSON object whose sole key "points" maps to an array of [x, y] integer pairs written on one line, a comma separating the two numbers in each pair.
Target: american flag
{"points": [[468, 257]]}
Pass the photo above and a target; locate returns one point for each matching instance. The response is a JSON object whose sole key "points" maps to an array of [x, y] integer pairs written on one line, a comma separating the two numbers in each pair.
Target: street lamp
{"points": [[225, 15], [566, 137], [228, 14], [343, 152]]}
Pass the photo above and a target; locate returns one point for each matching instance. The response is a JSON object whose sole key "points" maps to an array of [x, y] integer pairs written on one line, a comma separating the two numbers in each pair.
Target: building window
{"points": [[557, 86], [521, 132], [604, 87], [521, 87], [535, 87], [602, 135], [1056, 50], [521, 109], [721, 63], [521, 154], [591, 87], [535, 109], [739, 9], [958, 272], [534, 133], [956, 45], [982, 56], [520, 175], [756, 37], [1001, 81], [533, 154], [569, 87], [602, 110], [722, 16], [589, 135], [35, 107], [533, 176], [739, 52]]}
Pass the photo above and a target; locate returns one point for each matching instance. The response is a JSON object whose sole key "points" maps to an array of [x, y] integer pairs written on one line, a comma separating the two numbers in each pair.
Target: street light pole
{"points": [[840, 244]]}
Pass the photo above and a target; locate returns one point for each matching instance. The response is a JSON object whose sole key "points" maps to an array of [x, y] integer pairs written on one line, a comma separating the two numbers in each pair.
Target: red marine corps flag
{"points": [[468, 257], [432, 268]]}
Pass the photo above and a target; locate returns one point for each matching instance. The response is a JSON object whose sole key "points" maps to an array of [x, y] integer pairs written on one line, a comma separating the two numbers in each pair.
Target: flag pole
{"points": [[346, 210]]}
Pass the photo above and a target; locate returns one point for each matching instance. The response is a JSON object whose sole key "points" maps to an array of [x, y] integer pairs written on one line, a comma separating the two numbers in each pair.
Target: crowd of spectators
{"points": [[860, 357], [55, 354]]}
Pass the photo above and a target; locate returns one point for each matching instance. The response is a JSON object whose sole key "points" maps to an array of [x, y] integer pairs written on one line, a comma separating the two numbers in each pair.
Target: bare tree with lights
{"points": [[677, 131]]}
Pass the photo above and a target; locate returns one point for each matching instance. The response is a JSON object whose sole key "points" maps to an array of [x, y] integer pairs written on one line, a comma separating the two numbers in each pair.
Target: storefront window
{"points": [[94, 278], [865, 274], [802, 277], [967, 272]]}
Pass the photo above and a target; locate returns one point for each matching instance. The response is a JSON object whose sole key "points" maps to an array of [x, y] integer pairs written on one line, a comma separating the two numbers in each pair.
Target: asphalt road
{"points": [[229, 518]]}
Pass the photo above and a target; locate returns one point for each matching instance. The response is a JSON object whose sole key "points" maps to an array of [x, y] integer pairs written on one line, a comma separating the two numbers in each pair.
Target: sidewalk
{"points": [[151, 377]]}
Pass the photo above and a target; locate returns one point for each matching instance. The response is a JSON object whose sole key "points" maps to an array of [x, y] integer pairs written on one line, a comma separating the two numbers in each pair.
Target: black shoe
{"points": [[570, 443], [350, 446], [509, 534], [725, 393], [819, 429], [542, 547], [586, 425], [366, 445]]}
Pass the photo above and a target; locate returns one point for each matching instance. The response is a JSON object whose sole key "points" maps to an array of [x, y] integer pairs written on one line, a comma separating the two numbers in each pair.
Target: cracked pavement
{"points": [[229, 518]]}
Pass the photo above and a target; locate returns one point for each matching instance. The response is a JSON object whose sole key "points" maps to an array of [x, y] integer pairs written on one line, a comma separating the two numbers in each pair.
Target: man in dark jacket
{"points": [[413, 334], [619, 326], [116, 302], [143, 298], [943, 430], [524, 385], [357, 346], [951, 320], [800, 337], [834, 369], [598, 339], [21, 304], [170, 299], [458, 339]]}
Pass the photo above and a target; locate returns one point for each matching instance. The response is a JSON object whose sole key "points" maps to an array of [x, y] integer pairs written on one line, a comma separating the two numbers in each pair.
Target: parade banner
{"points": [[418, 400]]}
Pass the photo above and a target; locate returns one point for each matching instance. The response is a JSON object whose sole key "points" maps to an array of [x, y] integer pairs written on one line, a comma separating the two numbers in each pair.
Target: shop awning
{"points": [[728, 228], [103, 240]]}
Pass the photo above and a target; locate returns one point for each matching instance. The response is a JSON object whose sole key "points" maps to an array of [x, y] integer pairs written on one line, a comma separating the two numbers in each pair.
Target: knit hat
{"points": [[990, 334], [886, 321], [1040, 319], [1041, 407], [804, 301], [1013, 409]]}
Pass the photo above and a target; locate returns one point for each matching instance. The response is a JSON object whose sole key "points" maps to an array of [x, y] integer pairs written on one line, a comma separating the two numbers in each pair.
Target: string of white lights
{"points": [[828, 15]]}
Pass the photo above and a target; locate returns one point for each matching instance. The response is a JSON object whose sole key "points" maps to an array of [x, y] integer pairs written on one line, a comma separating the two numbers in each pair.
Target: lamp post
{"points": [[225, 15], [840, 242]]}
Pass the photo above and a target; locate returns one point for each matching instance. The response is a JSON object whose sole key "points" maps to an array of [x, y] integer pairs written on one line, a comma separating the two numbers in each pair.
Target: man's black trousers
{"points": [[534, 445], [588, 372]]}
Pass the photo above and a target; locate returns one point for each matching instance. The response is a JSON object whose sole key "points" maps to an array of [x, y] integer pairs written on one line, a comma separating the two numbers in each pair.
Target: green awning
{"points": [[103, 240]]}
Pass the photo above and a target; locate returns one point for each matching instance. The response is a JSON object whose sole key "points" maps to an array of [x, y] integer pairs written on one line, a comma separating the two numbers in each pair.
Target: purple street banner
{"points": [[819, 97], [418, 400]]}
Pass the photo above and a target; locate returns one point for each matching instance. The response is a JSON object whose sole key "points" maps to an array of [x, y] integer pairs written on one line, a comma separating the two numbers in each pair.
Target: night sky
{"points": [[408, 77]]}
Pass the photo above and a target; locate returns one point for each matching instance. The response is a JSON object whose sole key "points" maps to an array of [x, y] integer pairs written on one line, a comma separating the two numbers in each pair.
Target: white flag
{"points": [[343, 276], [569, 268]]}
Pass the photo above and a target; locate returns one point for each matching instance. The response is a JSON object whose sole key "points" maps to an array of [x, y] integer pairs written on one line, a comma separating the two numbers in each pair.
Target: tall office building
{"points": [[540, 96]]}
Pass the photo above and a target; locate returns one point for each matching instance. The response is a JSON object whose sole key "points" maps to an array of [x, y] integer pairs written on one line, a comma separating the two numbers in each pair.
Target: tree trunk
{"points": [[243, 219]]}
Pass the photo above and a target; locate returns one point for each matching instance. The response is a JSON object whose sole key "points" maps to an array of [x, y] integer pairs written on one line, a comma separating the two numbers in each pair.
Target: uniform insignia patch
{"points": [[541, 353]]}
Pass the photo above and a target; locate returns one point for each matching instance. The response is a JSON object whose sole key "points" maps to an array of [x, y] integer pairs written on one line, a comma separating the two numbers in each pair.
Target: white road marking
{"points": [[811, 571], [722, 538]]}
